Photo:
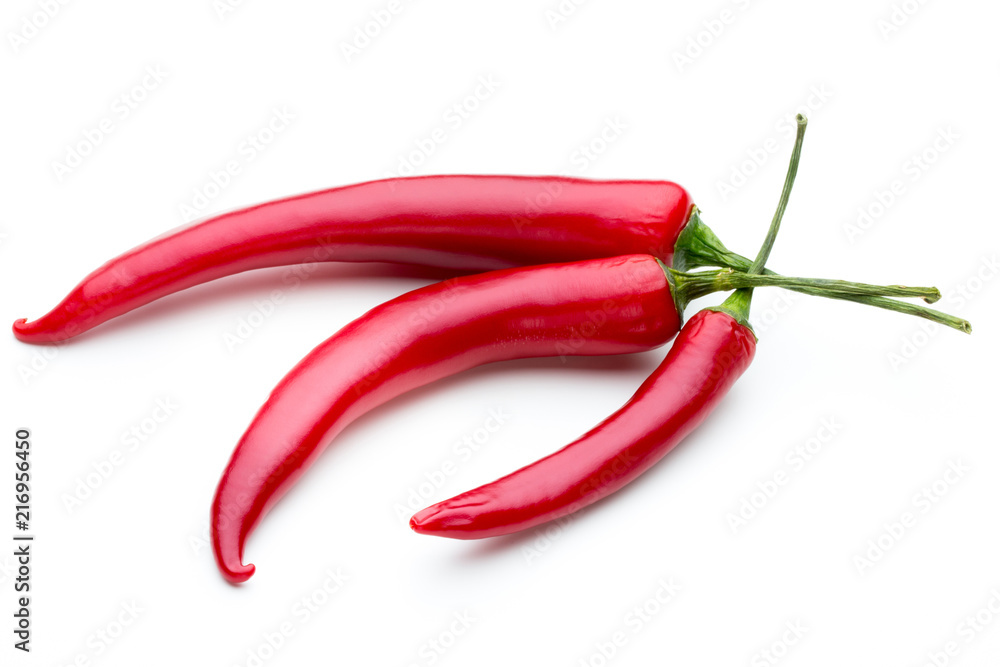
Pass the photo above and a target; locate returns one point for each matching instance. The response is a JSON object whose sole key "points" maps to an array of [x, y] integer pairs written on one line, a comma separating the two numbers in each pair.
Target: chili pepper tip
{"points": [[30, 333], [431, 521], [417, 520], [238, 573]]}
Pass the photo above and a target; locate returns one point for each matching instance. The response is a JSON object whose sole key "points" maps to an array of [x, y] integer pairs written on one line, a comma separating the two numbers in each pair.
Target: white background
{"points": [[876, 98]]}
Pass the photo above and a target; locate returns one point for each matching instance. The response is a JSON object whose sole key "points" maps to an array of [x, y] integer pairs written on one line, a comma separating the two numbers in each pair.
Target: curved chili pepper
{"points": [[465, 223], [602, 306], [710, 353]]}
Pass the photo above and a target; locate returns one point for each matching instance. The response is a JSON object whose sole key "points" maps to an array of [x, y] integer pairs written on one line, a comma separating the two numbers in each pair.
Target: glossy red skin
{"points": [[710, 353], [603, 306], [465, 223]]}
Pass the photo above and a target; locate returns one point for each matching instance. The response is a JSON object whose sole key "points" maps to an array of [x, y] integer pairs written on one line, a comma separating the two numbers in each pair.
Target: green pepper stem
{"points": [[698, 246], [786, 191], [904, 307], [738, 303], [691, 286]]}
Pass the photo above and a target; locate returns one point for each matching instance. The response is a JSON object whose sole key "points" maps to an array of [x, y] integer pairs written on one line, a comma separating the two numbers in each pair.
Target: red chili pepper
{"points": [[710, 353], [465, 223], [602, 306]]}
